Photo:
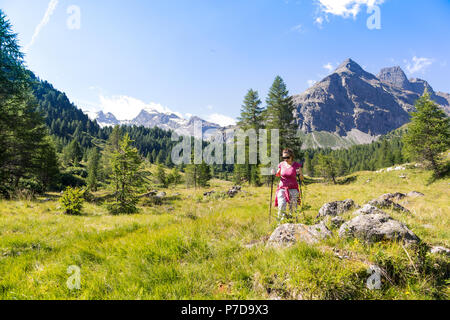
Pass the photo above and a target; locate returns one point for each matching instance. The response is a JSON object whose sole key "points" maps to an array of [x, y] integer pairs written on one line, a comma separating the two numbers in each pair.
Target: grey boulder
{"points": [[287, 235], [368, 209], [387, 204], [336, 208], [377, 227]]}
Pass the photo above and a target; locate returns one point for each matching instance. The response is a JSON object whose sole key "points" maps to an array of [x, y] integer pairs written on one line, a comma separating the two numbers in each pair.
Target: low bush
{"points": [[72, 201]]}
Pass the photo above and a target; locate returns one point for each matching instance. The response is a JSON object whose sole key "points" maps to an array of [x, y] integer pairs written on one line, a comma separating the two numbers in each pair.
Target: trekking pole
{"points": [[271, 199], [300, 184]]}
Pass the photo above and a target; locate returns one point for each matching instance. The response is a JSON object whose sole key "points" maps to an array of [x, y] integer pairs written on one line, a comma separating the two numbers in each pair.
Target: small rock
{"points": [[234, 191], [377, 227], [340, 254], [414, 194], [402, 176], [440, 250], [336, 208], [152, 193], [393, 196], [287, 235], [161, 195], [208, 194]]}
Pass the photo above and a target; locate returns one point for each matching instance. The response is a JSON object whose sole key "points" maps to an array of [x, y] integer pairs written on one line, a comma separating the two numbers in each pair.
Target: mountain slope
{"points": [[150, 118], [354, 106], [350, 106]]}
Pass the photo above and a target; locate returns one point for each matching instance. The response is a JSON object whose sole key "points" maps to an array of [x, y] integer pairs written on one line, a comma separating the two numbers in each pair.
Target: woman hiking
{"points": [[288, 190]]}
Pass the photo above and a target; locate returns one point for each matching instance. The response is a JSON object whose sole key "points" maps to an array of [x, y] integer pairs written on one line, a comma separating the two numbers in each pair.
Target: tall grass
{"points": [[198, 250]]}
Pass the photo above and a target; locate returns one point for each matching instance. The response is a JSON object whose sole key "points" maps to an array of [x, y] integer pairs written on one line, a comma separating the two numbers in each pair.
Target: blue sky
{"points": [[201, 56]]}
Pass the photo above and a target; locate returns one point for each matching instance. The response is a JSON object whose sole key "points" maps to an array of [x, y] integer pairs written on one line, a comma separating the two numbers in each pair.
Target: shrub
{"points": [[72, 201], [122, 208]]}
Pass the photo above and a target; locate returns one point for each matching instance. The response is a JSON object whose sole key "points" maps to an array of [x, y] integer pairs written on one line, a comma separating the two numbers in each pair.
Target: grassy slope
{"points": [[197, 250]]}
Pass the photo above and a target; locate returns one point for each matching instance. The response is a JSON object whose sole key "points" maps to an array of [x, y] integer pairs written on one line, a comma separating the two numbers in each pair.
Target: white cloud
{"points": [[209, 107], [319, 21], [328, 67], [127, 108], [45, 20], [345, 8], [221, 120], [298, 28], [341, 8], [418, 64], [311, 82]]}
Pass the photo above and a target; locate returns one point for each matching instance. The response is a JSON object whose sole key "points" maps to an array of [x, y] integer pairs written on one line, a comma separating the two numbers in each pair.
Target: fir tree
{"points": [[93, 167], [280, 115], [127, 177], [428, 134]]}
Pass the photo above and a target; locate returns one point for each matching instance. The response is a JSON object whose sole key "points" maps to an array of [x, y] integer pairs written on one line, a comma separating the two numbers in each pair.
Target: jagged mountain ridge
{"points": [[168, 121], [353, 103], [350, 106]]}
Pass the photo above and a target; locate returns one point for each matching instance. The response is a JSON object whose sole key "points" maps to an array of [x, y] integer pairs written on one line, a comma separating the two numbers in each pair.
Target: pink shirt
{"points": [[288, 175]]}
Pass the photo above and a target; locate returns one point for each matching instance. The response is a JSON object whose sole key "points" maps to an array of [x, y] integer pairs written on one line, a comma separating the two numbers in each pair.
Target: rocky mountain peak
{"points": [[395, 76], [350, 65]]}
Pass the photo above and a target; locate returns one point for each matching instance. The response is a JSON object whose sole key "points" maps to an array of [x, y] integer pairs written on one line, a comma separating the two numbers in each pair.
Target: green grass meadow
{"points": [[196, 248]]}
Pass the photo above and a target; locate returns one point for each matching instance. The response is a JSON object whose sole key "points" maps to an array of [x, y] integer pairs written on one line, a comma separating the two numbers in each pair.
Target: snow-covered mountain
{"points": [[151, 118]]}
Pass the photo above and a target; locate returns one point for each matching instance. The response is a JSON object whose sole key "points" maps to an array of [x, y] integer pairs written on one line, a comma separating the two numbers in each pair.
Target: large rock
{"points": [[377, 227], [288, 234], [387, 204], [336, 208], [368, 209]]}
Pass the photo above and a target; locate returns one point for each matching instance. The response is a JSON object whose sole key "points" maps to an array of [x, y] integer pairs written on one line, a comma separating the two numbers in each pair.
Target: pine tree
{"points": [[280, 115], [251, 112], [308, 167], [251, 118], [127, 176], [23, 136], [204, 175], [174, 177], [47, 164], [93, 167], [326, 166], [428, 134], [75, 153], [198, 175], [161, 176]]}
